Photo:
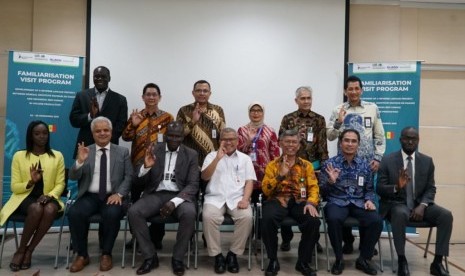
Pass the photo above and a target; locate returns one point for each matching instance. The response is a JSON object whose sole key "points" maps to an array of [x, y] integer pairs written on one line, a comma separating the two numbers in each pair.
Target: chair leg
{"points": [[249, 266], [3, 242], [427, 242], [326, 244], [189, 254], [68, 251], [196, 243], [388, 226], [262, 251], [123, 259], [59, 241], [447, 263], [316, 257]]}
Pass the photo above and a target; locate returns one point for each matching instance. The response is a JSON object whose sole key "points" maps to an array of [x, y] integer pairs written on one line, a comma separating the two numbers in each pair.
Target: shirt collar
{"points": [[168, 150], [347, 104], [107, 147], [105, 92], [404, 156]]}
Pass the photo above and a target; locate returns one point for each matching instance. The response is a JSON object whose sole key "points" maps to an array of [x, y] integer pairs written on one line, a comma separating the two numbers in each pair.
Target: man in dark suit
{"points": [[170, 175], [98, 101], [407, 192], [104, 174]]}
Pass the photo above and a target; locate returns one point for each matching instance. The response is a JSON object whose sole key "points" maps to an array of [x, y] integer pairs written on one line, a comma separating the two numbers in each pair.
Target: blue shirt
{"points": [[354, 184]]}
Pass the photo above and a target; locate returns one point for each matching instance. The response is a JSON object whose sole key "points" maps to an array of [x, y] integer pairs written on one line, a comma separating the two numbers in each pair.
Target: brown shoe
{"points": [[79, 263], [105, 263]]}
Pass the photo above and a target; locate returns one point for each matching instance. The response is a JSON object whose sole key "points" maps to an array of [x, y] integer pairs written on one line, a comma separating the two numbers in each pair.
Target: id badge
{"points": [[160, 137], [361, 180], [303, 192], [367, 122], [214, 133], [309, 135], [253, 156]]}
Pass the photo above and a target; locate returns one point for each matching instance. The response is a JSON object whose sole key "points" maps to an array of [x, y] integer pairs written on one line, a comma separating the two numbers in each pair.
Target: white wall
{"points": [[248, 50]]}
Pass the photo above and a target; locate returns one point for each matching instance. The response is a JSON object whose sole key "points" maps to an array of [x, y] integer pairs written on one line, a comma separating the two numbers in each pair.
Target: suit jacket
{"points": [[115, 108], [121, 171], [186, 171], [388, 177]]}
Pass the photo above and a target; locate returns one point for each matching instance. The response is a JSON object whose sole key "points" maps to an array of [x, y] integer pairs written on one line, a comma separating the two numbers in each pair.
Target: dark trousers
{"points": [[435, 214], [369, 221], [274, 213], [79, 214], [149, 205]]}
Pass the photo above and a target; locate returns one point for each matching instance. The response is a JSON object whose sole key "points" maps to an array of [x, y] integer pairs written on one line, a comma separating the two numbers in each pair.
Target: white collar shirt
{"points": [[226, 185], [168, 182], [94, 185]]}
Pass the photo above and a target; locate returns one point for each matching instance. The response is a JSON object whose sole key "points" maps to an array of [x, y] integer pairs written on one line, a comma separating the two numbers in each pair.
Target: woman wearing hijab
{"points": [[260, 142], [37, 182]]}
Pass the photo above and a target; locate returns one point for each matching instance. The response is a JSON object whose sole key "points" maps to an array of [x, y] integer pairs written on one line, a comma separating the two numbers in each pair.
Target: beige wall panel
{"points": [[447, 147], [15, 25], [374, 33], [442, 97], [441, 36], [449, 197], [60, 26], [408, 34]]}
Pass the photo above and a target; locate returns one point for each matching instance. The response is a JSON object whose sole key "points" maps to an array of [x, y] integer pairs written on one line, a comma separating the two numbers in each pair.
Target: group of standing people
{"points": [[171, 160]]}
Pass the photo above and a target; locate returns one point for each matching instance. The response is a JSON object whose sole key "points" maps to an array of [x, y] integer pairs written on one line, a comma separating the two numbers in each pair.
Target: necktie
{"points": [[102, 192], [410, 195]]}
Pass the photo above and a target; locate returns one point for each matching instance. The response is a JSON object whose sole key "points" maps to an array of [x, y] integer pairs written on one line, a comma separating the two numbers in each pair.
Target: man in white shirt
{"points": [[230, 174]]}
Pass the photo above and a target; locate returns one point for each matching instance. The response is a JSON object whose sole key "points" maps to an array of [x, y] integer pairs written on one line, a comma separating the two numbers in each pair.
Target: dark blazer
{"points": [[186, 172], [388, 176], [121, 171], [115, 108]]}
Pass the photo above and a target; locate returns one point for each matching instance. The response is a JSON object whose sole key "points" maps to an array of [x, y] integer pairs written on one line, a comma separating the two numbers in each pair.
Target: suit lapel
{"points": [[113, 157], [91, 158], [107, 100]]}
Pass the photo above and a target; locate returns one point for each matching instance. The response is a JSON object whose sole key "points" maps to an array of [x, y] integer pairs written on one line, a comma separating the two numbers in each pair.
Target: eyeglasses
{"points": [[228, 139], [256, 111], [151, 95], [202, 91], [290, 142]]}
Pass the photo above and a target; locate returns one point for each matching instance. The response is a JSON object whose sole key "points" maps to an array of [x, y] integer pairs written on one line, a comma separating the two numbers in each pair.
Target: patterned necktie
{"points": [[410, 195], [102, 192]]}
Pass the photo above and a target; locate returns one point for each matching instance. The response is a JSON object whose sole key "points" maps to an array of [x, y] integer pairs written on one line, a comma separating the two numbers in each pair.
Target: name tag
{"points": [[160, 137], [303, 192], [310, 135], [361, 180], [367, 121], [214, 133]]}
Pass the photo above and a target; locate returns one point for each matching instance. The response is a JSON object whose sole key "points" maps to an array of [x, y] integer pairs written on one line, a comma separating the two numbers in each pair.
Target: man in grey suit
{"points": [[103, 182], [407, 190], [170, 175]]}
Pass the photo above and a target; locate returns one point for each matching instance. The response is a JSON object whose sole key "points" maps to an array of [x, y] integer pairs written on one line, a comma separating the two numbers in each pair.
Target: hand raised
{"points": [[82, 153], [221, 151], [136, 118], [333, 173], [150, 158], [196, 113], [285, 166], [93, 109], [36, 173], [341, 115], [404, 178]]}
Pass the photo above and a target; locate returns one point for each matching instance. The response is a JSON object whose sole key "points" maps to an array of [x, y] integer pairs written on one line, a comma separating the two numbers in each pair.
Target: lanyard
{"points": [[254, 141]]}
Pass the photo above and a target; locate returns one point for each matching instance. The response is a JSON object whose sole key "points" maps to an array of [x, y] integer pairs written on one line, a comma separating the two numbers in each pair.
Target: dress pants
{"points": [[79, 214], [212, 218], [149, 205], [369, 221], [273, 215], [435, 214]]}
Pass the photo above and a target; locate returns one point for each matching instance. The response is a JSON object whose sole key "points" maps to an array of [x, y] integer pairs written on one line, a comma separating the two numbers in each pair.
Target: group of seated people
{"points": [[170, 179], [170, 161]]}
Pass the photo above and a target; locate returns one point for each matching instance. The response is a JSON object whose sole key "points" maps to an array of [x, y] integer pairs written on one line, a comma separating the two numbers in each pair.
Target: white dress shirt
{"points": [[226, 185], [95, 184]]}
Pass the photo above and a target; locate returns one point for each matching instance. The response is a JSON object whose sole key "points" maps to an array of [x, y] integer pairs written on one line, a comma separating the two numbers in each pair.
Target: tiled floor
{"points": [[43, 259]]}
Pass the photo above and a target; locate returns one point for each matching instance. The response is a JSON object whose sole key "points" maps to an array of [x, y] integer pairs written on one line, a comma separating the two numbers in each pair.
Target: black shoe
{"points": [[285, 246], [178, 267], [148, 265], [319, 249], [402, 268], [348, 248], [220, 264], [273, 268], [337, 267], [305, 269], [438, 269], [231, 263], [365, 266]]}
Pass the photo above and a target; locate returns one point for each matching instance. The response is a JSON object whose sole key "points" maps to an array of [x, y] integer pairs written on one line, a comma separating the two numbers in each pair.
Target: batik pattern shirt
{"points": [[145, 133], [263, 148], [301, 176], [354, 184], [204, 136], [366, 119], [315, 149]]}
